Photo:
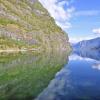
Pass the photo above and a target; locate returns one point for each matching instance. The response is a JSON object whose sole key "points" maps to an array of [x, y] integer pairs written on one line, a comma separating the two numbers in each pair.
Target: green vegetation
{"points": [[24, 76], [4, 21], [6, 43], [29, 25]]}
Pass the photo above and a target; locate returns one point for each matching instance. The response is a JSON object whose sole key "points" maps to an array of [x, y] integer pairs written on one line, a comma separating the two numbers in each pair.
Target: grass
{"points": [[4, 21]]}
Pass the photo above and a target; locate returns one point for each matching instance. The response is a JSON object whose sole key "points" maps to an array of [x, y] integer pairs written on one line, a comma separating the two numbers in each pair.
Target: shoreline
{"points": [[16, 50], [12, 50]]}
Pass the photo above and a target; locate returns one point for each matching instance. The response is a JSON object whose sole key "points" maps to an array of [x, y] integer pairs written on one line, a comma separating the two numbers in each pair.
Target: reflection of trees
{"points": [[24, 76], [58, 87], [74, 85]]}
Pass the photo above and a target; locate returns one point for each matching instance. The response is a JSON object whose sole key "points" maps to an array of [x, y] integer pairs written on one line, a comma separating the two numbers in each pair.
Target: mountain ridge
{"points": [[27, 24], [92, 44]]}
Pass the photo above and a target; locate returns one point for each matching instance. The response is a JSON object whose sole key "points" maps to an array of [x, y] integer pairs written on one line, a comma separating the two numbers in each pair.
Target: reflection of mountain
{"points": [[88, 44], [24, 76], [73, 82], [93, 54], [88, 48]]}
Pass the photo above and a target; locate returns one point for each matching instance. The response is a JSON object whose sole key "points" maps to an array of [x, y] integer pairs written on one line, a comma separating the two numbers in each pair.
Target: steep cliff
{"points": [[25, 24]]}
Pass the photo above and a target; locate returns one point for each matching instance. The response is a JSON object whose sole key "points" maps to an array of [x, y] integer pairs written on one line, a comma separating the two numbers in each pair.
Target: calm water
{"points": [[23, 76], [77, 80], [50, 76]]}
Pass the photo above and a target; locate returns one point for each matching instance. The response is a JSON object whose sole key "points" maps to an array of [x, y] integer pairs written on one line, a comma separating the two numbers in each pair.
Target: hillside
{"points": [[25, 24], [92, 44]]}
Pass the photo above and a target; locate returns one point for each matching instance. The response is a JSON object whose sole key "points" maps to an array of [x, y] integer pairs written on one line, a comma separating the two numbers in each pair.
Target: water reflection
{"points": [[90, 55], [57, 89], [24, 76], [93, 54], [96, 66], [78, 80]]}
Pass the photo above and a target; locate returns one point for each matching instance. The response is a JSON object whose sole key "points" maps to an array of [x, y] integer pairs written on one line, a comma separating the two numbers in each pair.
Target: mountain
{"points": [[93, 44], [26, 24]]}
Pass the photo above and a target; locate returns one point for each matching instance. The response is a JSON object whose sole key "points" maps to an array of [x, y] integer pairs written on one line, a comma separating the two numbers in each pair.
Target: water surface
{"points": [[77, 80], [50, 76], [24, 75]]}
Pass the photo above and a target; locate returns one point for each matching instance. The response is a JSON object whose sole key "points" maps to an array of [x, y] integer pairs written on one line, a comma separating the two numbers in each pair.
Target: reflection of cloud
{"points": [[96, 66], [57, 86], [76, 57]]}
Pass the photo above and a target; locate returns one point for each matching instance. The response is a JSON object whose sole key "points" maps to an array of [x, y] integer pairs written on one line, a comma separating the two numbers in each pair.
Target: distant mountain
{"points": [[27, 24], [93, 44]]}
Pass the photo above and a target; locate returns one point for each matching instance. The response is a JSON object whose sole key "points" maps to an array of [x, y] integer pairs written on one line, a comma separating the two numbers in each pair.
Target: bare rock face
{"points": [[26, 24]]}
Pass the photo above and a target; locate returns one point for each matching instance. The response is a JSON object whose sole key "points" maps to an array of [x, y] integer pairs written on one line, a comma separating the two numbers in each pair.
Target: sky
{"points": [[79, 18]]}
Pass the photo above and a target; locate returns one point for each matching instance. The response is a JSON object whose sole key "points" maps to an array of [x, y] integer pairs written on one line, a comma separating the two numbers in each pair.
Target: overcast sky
{"points": [[79, 18]]}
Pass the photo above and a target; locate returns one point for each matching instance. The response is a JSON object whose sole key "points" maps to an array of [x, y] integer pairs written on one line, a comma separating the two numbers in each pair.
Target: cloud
{"points": [[96, 30], [63, 3], [65, 25], [58, 12], [87, 13], [76, 57], [78, 39], [74, 40]]}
